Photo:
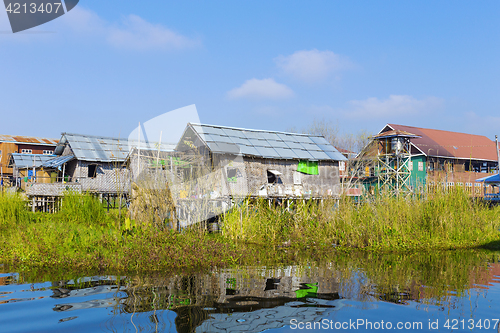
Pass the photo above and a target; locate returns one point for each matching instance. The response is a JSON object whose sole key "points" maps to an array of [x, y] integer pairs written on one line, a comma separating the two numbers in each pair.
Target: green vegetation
{"points": [[399, 277], [440, 221], [83, 236]]}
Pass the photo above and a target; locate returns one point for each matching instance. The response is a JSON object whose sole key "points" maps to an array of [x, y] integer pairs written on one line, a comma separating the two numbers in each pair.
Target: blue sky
{"points": [[106, 65]]}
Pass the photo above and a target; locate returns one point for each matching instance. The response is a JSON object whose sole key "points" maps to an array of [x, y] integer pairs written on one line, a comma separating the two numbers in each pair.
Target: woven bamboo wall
{"points": [[110, 177], [55, 189], [254, 177]]}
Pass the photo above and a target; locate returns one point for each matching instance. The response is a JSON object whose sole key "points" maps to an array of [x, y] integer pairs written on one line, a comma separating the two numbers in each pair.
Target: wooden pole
{"points": [[158, 155], [63, 171], [138, 149], [498, 153]]}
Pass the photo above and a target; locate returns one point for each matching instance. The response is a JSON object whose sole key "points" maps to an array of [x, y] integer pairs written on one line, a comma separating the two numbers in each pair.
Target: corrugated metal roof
{"points": [[23, 161], [94, 148], [267, 144], [58, 161], [28, 140], [450, 144]]}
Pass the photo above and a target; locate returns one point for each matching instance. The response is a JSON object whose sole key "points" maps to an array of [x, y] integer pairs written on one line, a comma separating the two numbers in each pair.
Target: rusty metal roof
{"points": [[28, 140], [441, 143]]}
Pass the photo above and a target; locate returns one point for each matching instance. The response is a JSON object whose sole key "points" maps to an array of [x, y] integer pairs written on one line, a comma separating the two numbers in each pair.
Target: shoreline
{"points": [[83, 236]]}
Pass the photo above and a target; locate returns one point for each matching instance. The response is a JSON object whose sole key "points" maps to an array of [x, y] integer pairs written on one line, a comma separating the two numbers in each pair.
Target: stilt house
{"points": [[86, 163], [270, 164]]}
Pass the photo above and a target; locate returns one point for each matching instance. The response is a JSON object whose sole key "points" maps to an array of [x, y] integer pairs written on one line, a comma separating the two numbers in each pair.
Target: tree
{"points": [[353, 142]]}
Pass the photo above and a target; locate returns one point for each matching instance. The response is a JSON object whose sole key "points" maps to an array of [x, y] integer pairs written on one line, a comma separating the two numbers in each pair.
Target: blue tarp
{"points": [[490, 179]]}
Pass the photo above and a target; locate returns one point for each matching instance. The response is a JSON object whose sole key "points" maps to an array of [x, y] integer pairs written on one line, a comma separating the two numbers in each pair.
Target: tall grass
{"points": [[12, 209], [83, 236], [441, 220]]}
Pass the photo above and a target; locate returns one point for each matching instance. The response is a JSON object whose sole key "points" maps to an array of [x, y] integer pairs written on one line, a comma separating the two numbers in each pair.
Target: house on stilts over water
{"points": [[213, 167], [82, 163], [406, 160]]}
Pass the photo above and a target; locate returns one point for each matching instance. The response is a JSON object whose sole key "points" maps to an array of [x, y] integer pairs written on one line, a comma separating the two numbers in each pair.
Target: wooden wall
{"points": [[7, 148], [35, 149]]}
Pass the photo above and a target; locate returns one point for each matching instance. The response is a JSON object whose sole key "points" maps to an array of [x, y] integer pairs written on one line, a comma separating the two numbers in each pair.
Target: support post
{"points": [[138, 150], [498, 153]]}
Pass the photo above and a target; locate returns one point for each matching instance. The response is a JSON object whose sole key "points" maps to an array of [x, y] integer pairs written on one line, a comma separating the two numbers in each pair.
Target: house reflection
{"points": [[213, 302]]}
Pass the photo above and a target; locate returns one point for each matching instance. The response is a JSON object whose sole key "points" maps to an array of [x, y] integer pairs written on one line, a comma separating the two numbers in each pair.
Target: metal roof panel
{"points": [[264, 143], [286, 153], [267, 152], [336, 156], [319, 155], [319, 140], [303, 154], [249, 150]]}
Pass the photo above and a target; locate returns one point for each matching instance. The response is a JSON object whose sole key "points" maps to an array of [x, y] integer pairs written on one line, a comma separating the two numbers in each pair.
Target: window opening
{"points": [[92, 173]]}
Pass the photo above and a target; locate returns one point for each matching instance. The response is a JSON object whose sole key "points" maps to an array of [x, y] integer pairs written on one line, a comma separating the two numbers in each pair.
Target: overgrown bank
{"points": [[83, 236], [440, 221]]}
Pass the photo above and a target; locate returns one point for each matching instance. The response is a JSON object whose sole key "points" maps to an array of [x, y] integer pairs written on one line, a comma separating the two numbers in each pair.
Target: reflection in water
{"points": [[253, 299]]}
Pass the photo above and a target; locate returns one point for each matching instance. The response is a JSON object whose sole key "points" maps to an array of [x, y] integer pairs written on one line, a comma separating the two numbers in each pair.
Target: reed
{"points": [[440, 220], [82, 235]]}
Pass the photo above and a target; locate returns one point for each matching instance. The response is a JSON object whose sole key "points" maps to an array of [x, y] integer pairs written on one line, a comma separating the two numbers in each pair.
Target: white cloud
{"points": [[395, 105], [133, 32], [313, 65], [261, 89], [137, 33], [83, 21]]}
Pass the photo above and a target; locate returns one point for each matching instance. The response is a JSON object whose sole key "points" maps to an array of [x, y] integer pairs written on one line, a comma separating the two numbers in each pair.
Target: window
{"points": [[410, 165], [48, 152], [341, 166], [92, 171], [232, 175], [420, 166], [273, 177], [26, 151]]}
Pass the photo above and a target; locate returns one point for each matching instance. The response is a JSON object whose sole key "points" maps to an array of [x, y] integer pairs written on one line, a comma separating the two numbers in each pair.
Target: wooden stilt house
{"points": [[270, 164], [86, 163]]}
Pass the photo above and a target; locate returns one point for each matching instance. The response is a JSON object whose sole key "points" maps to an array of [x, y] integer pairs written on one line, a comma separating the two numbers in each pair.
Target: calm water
{"points": [[454, 291]]}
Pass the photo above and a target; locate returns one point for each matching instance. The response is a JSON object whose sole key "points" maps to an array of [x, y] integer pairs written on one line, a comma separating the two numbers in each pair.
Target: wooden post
{"points": [[498, 153], [138, 150]]}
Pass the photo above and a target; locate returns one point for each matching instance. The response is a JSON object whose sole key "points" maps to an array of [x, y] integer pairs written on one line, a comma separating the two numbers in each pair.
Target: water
{"points": [[452, 291]]}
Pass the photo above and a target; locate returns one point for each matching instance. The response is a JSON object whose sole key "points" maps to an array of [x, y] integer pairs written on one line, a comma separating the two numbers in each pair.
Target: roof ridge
{"points": [[435, 129], [256, 130], [94, 136]]}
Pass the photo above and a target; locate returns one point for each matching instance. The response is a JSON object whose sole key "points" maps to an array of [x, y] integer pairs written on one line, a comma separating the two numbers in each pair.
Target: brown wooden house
{"points": [[10, 144]]}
